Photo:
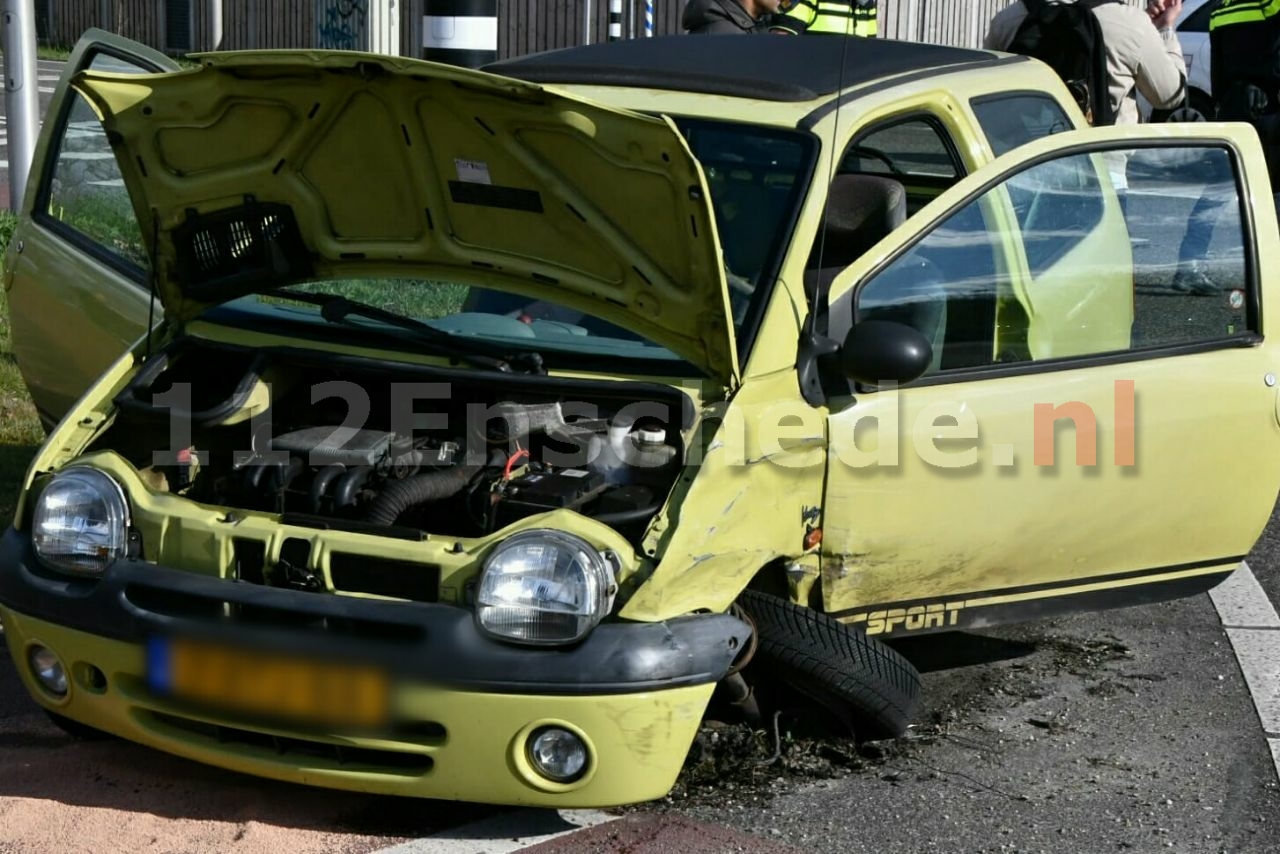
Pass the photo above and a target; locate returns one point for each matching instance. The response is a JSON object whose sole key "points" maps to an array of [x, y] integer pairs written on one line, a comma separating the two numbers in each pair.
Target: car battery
{"points": [[537, 491]]}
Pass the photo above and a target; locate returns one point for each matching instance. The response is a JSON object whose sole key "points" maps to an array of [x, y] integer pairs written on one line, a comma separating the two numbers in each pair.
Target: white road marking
{"points": [[1259, 653], [1242, 603], [503, 833], [1253, 627]]}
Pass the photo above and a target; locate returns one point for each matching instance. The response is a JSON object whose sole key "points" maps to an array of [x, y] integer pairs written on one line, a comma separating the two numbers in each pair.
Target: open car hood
{"points": [[259, 169]]}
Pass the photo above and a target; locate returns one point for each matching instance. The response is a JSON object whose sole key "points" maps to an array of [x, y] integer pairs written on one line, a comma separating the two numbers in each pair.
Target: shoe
{"points": [[1193, 280]]}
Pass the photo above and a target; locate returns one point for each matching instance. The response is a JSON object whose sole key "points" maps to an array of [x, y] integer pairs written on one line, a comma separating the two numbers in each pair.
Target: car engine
{"points": [[324, 439]]}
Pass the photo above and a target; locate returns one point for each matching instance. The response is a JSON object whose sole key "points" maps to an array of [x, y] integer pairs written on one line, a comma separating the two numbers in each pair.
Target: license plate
{"points": [[267, 685]]}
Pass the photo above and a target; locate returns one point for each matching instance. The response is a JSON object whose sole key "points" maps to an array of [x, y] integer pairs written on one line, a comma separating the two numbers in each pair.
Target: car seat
{"points": [[861, 210]]}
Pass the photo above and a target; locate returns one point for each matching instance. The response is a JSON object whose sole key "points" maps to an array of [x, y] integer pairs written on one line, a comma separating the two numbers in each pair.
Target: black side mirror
{"points": [[878, 351]]}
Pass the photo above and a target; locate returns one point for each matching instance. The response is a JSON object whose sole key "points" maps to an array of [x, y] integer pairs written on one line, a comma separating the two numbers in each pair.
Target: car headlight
{"points": [[81, 522], [544, 587]]}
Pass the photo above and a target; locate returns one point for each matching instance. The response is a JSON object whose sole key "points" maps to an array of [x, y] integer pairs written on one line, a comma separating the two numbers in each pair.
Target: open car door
{"points": [[75, 273], [1098, 426]]}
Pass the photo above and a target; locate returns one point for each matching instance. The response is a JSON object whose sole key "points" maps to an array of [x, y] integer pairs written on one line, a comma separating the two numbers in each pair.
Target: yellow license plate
{"points": [[268, 685]]}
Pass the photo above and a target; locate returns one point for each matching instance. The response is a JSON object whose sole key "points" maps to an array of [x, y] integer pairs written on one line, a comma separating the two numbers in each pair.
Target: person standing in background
{"points": [[841, 17], [1143, 52], [1244, 40], [727, 17]]}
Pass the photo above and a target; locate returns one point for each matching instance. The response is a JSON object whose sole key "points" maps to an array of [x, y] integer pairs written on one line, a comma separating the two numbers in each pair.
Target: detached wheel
{"points": [[859, 683], [77, 730]]}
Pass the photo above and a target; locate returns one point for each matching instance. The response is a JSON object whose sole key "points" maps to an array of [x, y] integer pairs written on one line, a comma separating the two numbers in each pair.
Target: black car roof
{"points": [[765, 67]]}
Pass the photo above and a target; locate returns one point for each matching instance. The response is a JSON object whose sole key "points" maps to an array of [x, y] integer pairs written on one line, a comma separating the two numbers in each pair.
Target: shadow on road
{"points": [[948, 650]]}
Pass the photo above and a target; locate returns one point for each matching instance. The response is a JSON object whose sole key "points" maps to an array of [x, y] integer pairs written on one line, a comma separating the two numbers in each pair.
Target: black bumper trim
{"points": [[427, 642]]}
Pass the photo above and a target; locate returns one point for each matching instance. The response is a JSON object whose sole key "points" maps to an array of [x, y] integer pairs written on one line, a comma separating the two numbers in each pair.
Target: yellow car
{"points": [[460, 434]]}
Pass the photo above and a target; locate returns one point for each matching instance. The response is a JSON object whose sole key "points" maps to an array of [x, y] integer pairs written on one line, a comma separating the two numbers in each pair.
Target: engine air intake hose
{"points": [[400, 495]]}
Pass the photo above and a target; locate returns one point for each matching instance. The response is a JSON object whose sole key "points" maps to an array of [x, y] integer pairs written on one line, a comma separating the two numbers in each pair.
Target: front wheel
{"points": [[859, 683]]}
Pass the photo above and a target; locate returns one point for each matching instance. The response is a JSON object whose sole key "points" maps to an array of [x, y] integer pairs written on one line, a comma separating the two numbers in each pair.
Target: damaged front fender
{"points": [[752, 500]]}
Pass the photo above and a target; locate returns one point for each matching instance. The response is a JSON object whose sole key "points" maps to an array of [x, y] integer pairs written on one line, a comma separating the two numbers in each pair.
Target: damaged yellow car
{"points": [[464, 434]]}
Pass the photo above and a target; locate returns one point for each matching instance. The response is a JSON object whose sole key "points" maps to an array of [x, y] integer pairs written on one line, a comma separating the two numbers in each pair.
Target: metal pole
{"points": [[461, 32], [383, 25], [215, 24], [586, 22], [615, 20], [21, 104]]}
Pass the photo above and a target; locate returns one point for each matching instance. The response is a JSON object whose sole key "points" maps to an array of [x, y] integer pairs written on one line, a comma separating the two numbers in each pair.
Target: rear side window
{"points": [[1013, 120], [85, 197]]}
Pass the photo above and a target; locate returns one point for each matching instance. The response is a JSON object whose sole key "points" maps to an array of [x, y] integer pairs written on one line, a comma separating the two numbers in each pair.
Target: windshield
{"points": [[757, 177]]}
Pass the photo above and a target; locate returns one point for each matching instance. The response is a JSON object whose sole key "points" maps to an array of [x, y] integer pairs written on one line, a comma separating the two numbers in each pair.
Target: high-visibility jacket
{"points": [[1244, 40], [843, 17], [1231, 12]]}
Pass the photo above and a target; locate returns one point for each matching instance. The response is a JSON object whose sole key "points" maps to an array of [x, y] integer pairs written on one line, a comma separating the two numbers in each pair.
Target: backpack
{"points": [[1068, 38]]}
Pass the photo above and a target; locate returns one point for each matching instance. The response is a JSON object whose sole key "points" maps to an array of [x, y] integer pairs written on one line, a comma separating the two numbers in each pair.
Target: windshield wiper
{"points": [[339, 310]]}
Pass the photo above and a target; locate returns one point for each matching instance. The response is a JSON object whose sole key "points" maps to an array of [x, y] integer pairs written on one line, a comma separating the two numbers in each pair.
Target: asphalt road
{"points": [[1130, 730]]}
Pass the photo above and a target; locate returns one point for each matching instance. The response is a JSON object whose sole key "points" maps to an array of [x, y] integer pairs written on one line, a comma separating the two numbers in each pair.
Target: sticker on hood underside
{"points": [[472, 171]]}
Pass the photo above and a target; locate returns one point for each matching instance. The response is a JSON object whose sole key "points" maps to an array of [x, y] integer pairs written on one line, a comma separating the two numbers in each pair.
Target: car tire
{"points": [[857, 684], [1198, 107], [77, 730], [1202, 103]]}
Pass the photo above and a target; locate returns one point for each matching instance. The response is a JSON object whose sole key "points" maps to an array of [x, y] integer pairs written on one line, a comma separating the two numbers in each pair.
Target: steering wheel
{"points": [[866, 151]]}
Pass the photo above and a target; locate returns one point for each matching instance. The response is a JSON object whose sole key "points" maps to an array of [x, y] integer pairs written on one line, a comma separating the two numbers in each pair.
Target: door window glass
{"points": [[1191, 271], [86, 196], [1058, 261]]}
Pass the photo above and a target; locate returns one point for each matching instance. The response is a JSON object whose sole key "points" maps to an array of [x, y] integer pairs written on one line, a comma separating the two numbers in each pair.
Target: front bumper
{"points": [[465, 705]]}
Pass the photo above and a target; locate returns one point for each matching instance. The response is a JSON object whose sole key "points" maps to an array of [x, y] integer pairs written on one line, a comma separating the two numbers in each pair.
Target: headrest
{"points": [[861, 209]]}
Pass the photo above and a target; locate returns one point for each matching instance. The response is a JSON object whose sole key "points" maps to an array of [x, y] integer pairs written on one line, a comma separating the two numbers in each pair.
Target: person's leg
{"points": [[1192, 275]]}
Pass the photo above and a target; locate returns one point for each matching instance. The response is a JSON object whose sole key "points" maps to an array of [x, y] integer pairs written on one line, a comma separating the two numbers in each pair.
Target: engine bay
{"points": [[342, 441]]}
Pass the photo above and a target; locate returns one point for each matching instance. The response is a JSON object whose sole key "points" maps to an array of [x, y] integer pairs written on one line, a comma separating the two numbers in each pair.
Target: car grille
{"points": [[291, 749], [349, 572], [208, 607]]}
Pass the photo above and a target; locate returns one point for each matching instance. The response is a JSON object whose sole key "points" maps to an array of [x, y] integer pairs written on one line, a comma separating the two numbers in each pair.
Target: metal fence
{"points": [[524, 26]]}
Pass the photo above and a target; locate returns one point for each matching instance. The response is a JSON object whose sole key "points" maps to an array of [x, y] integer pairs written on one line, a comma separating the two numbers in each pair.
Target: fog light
{"points": [[48, 670], [557, 754]]}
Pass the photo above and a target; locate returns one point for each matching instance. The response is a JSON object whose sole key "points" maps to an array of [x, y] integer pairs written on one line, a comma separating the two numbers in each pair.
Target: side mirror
{"points": [[878, 351]]}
